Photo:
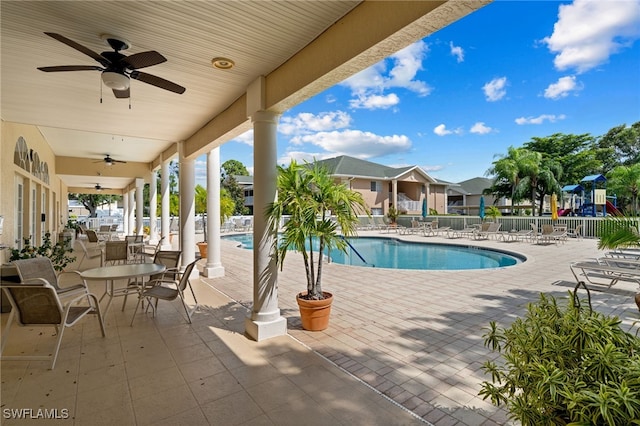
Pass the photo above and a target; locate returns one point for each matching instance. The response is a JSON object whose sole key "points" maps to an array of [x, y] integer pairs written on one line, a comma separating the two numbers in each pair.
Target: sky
{"points": [[453, 102]]}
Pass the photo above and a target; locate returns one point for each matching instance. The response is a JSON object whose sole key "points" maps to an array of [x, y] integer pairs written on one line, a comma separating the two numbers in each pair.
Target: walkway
{"points": [[414, 336]]}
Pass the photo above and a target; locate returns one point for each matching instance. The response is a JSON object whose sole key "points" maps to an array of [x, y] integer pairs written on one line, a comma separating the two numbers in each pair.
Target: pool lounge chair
{"points": [[492, 229], [606, 275]]}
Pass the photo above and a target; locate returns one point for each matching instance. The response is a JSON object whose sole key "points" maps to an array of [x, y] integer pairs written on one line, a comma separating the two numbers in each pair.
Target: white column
{"points": [[132, 217], [164, 205], [187, 209], [139, 205], [153, 208], [265, 320], [125, 213], [213, 267]]}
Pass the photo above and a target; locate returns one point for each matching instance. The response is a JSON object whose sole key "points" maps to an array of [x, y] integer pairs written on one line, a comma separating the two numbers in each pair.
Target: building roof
{"points": [[243, 180], [355, 167], [475, 186]]}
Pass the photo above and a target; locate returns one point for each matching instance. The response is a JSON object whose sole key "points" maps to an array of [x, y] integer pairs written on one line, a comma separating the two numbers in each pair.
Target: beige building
{"points": [[381, 186]]}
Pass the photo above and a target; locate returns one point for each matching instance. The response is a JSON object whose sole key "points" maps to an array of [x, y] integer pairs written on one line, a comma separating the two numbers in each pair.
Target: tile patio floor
{"points": [[414, 337]]}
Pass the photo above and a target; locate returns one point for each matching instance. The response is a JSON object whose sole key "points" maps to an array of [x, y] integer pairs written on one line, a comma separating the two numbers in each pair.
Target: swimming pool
{"points": [[393, 253]]}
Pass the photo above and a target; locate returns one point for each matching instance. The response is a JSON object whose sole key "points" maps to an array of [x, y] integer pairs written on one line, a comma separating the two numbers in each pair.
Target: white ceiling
{"points": [[79, 119]]}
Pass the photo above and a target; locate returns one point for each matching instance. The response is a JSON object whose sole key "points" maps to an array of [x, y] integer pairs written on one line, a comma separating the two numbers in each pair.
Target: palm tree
{"points": [[625, 180], [310, 197], [619, 232], [520, 167]]}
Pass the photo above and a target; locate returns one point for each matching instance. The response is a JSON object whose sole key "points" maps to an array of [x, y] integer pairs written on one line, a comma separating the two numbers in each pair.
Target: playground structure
{"points": [[588, 199]]}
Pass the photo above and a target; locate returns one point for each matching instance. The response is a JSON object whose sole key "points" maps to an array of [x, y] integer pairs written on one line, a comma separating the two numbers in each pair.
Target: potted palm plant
{"points": [[226, 209], [319, 214]]}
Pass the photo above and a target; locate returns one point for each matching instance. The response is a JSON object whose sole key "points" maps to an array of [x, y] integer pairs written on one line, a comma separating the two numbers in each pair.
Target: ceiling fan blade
{"points": [[143, 59], [157, 81], [80, 48], [71, 68], [121, 94], [118, 161]]}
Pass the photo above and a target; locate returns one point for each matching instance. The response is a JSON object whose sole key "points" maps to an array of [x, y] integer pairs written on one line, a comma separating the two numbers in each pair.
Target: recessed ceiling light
{"points": [[222, 63]]}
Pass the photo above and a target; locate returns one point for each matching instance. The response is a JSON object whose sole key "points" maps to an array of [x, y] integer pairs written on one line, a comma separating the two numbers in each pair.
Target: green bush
{"points": [[565, 365], [56, 252]]}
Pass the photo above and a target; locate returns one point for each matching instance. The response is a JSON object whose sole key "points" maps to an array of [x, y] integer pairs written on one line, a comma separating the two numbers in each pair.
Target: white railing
{"points": [[589, 227]]}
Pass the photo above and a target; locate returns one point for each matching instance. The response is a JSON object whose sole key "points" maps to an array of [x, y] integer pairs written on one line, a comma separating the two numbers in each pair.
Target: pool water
{"points": [[396, 254]]}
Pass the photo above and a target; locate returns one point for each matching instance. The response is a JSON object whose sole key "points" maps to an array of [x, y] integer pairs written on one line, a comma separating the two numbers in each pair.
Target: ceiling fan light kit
{"points": [[115, 81]]}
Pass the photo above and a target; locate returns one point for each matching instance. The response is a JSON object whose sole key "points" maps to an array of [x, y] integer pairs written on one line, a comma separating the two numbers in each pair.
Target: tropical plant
{"points": [[625, 182], [226, 206], [58, 252], [318, 208], [565, 365], [493, 212], [393, 214], [619, 232]]}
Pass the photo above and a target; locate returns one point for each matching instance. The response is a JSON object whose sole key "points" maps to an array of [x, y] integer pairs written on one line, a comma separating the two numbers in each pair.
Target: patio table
{"points": [[110, 274]]}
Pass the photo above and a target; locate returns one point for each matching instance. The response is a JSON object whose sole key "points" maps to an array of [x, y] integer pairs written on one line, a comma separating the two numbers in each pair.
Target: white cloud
{"points": [[457, 51], [307, 122], [369, 85], [245, 138], [301, 157], [441, 130], [356, 143], [495, 89], [540, 119], [480, 128], [432, 168], [588, 32], [375, 101], [561, 88]]}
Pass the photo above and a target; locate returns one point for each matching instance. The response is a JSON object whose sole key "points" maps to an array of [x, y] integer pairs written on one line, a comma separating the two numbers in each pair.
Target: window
{"points": [[376, 186]]}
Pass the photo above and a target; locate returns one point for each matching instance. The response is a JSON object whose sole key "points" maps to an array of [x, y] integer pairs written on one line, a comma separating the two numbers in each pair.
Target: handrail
{"points": [[356, 251]]}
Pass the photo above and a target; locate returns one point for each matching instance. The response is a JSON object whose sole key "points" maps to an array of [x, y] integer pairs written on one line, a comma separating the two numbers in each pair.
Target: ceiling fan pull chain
{"points": [[100, 81]]}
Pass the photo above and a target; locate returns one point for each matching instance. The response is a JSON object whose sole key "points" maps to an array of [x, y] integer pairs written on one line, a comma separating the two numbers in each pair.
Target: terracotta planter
{"points": [[315, 313], [638, 300], [203, 249]]}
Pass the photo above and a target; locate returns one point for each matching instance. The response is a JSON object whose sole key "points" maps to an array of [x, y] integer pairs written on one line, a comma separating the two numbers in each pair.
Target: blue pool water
{"points": [[393, 253]]}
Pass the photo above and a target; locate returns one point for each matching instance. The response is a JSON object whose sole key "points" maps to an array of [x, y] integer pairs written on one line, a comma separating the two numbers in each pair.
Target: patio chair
{"points": [[41, 269], [168, 290], [92, 237], [545, 235], [92, 253], [38, 304], [150, 251], [135, 243], [171, 260], [116, 252]]}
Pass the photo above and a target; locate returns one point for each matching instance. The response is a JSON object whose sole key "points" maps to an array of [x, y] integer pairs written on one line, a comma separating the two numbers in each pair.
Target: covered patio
{"points": [[398, 341]]}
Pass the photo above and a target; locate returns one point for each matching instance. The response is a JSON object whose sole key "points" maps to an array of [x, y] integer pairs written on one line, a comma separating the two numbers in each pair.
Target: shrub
{"points": [[565, 365], [56, 252]]}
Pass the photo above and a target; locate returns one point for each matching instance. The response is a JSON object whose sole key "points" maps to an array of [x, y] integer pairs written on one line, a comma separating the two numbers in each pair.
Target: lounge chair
{"points": [[514, 236], [606, 275], [575, 233], [492, 229]]}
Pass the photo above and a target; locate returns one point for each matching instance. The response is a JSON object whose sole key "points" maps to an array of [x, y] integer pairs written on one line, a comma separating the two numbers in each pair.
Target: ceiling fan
{"points": [[109, 161], [117, 69]]}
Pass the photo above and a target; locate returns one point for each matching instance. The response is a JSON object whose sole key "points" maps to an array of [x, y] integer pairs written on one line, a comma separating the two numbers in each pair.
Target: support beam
{"points": [[265, 320], [213, 267]]}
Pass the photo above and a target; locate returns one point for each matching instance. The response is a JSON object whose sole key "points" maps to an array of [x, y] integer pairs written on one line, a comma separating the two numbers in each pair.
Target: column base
{"points": [[213, 271], [261, 330]]}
